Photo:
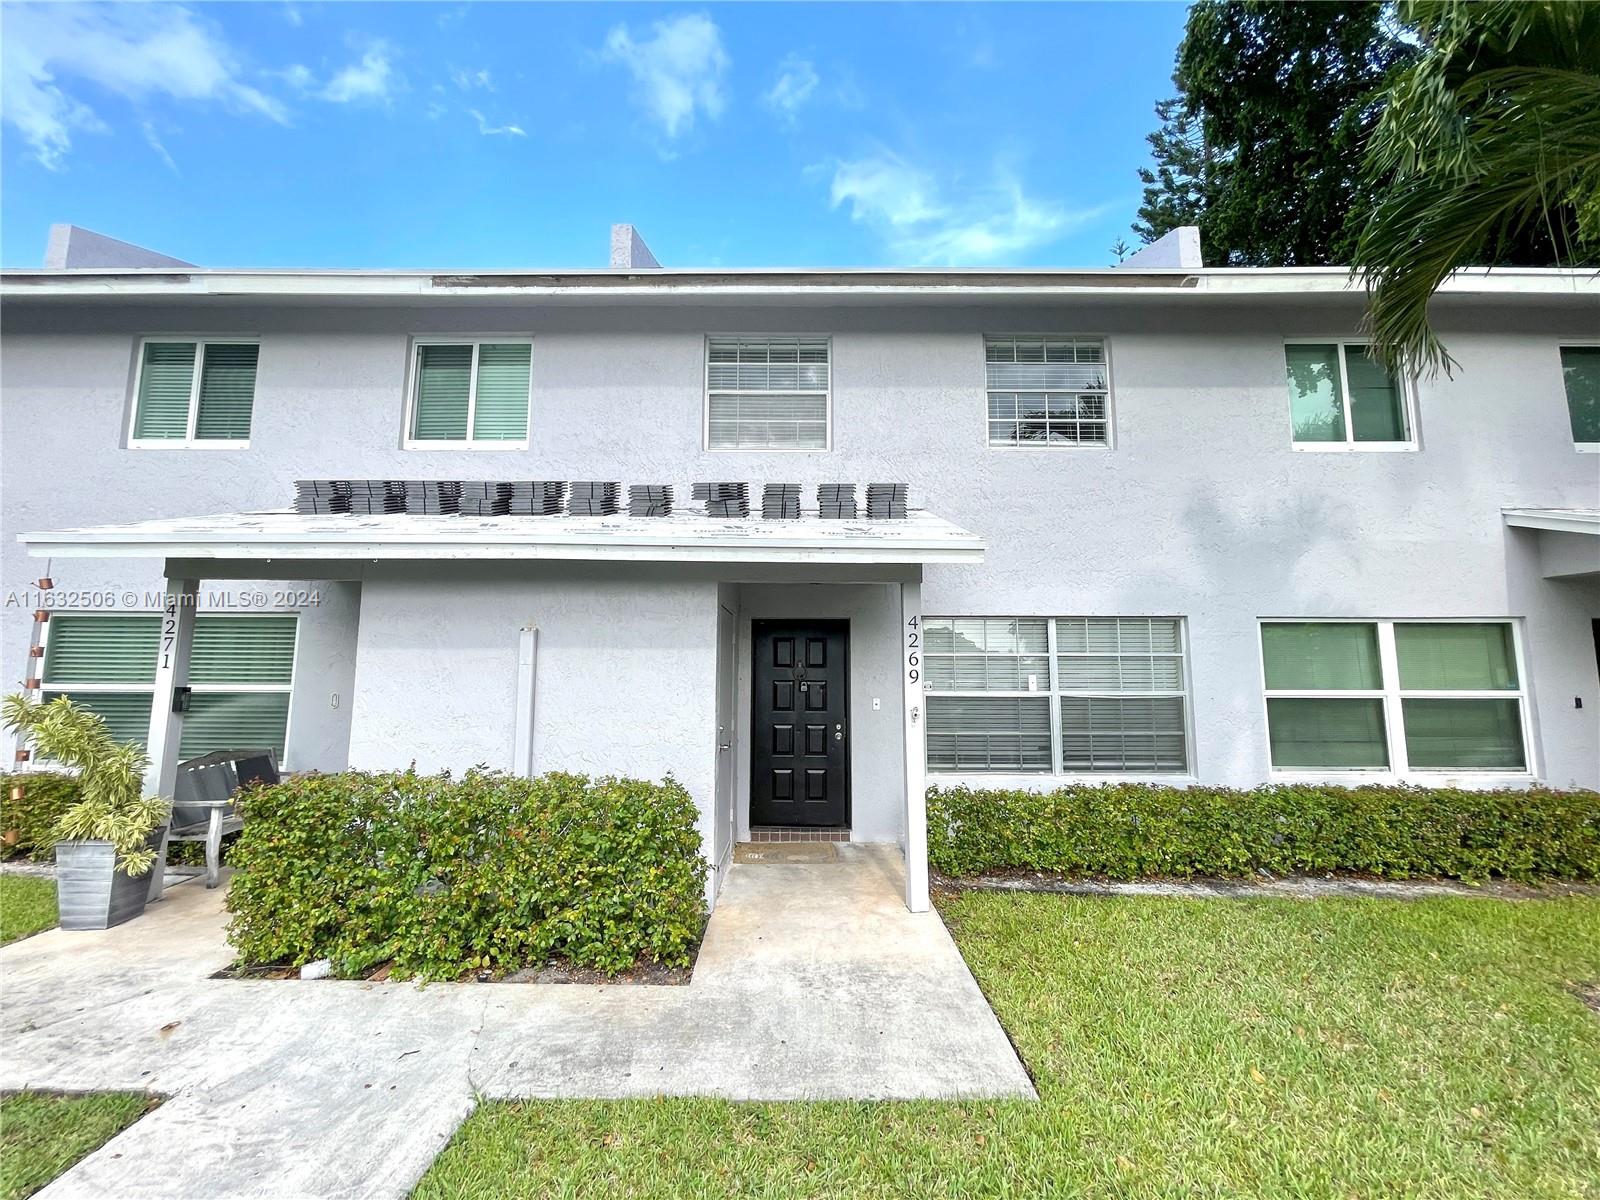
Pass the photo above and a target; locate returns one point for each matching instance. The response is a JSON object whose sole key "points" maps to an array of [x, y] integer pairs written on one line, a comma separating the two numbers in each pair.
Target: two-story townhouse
{"points": [[1169, 524]]}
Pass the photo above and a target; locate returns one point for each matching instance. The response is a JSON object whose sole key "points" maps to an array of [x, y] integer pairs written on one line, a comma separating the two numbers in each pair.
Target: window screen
{"points": [[767, 393], [1047, 391]]}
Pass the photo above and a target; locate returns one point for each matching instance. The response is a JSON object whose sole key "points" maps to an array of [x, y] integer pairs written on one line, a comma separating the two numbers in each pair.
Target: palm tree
{"points": [[1488, 152]]}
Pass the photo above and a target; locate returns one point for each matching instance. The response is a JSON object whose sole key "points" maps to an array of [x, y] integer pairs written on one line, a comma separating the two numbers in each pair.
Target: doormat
{"points": [[771, 853]]}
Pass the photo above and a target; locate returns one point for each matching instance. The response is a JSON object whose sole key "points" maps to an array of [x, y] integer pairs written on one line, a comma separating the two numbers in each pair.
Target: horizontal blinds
{"points": [[767, 393], [1105, 734], [444, 390], [234, 721], [1456, 658], [242, 649], [1580, 372], [501, 410], [227, 390], [102, 648], [166, 382], [990, 733], [1464, 735], [1330, 734], [126, 714], [1045, 390], [987, 654]]}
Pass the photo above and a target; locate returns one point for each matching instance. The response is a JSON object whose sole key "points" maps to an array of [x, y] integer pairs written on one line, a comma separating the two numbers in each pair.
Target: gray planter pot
{"points": [[90, 892]]}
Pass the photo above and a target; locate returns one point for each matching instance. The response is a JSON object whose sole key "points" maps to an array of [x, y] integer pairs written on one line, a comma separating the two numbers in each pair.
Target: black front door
{"points": [[800, 752]]}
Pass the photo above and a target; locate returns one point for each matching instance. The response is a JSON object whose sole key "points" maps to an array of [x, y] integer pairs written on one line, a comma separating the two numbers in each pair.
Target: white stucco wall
{"points": [[1202, 509]]}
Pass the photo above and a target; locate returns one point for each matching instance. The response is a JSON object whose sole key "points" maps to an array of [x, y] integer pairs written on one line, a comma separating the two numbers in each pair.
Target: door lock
{"points": [[838, 732]]}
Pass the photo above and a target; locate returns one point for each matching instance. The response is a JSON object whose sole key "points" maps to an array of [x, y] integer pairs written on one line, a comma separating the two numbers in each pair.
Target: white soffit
{"points": [[1561, 520], [921, 537]]}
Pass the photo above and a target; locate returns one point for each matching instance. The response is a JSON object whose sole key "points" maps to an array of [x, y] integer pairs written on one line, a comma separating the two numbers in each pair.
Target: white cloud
{"points": [[677, 72], [368, 81], [138, 51], [924, 223], [468, 80], [489, 130], [154, 140], [298, 76], [796, 83], [293, 15]]}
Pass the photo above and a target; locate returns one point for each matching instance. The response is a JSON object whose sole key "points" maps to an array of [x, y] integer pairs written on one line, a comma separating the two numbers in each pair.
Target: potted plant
{"points": [[107, 842]]}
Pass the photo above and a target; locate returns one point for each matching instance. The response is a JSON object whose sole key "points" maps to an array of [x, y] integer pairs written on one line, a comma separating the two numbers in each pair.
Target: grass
{"points": [[1269, 1048], [27, 905], [44, 1133]]}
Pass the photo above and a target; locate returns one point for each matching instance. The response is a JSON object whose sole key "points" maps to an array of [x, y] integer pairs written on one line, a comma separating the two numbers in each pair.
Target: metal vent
{"points": [[594, 499], [781, 502], [886, 501], [836, 501], [536, 498], [650, 500], [724, 499]]}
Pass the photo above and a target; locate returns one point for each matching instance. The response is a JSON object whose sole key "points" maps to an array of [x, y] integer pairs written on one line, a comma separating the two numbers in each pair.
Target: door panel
{"points": [[800, 751]]}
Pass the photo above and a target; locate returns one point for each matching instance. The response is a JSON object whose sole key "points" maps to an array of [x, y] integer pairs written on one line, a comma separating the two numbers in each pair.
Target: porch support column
{"points": [[911, 645], [166, 724], [527, 660]]}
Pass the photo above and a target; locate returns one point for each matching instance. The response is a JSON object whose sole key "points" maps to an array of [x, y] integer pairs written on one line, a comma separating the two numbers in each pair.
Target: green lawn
{"points": [[42, 1134], [1270, 1048], [27, 905]]}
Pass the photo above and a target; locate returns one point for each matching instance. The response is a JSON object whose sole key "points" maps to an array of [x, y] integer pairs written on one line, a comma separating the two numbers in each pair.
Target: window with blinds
{"points": [[1074, 695], [767, 393], [1341, 397], [470, 393], [1047, 391], [1580, 373], [241, 671], [194, 393], [1401, 696]]}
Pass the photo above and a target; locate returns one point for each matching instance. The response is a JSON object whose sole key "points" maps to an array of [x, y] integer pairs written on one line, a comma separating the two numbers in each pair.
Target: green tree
{"points": [[1488, 152], [1261, 148]]}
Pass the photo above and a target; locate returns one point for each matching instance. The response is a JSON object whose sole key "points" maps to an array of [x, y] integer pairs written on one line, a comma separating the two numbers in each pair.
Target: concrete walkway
{"points": [[814, 982]]}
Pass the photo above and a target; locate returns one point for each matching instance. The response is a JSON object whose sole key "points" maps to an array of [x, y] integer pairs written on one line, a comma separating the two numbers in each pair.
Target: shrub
{"points": [[443, 876], [45, 796], [1125, 831]]}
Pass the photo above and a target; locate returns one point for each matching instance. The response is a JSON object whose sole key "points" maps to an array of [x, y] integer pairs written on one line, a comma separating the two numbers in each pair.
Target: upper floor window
{"points": [[1393, 696], [1047, 391], [767, 393], [1342, 398], [470, 392], [196, 393], [1580, 371]]}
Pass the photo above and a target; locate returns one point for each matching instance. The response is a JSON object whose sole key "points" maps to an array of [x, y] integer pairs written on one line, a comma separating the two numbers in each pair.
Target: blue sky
{"points": [[513, 135]]}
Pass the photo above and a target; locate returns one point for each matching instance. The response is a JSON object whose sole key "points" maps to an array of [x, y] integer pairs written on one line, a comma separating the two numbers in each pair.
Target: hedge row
{"points": [[1131, 831], [442, 876], [45, 796]]}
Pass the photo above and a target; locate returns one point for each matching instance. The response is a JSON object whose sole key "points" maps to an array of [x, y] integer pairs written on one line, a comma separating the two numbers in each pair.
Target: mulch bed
{"points": [[646, 973], [1308, 886]]}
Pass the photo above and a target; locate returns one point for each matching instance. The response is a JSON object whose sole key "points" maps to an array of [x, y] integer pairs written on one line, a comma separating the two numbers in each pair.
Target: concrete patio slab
{"points": [[814, 982]]}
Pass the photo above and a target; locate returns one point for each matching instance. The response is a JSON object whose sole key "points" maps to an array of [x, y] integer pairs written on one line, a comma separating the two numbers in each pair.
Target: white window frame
{"points": [[1406, 385], [1031, 447], [1566, 404], [1055, 776], [705, 398], [188, 441], [475, 340], [148, 689], [1392, 694]]}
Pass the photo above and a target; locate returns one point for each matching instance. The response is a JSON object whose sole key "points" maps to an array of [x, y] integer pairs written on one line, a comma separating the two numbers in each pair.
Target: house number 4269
{"points": [[913, 650]]}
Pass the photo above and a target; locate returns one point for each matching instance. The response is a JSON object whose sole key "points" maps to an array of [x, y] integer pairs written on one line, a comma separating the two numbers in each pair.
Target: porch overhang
{"points": [[1568, 539], [918, 538]]}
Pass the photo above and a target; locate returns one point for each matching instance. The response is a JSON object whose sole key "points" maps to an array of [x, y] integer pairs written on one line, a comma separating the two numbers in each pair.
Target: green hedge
{"points": [[1129, 831], [46, 795], [442, 876]]}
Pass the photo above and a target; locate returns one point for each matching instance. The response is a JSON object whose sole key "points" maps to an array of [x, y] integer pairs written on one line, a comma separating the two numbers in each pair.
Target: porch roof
{"points": [[1558, 520], [682, 537]]}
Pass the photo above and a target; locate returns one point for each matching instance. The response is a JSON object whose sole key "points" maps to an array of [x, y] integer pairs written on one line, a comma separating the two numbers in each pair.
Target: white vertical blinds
{"points": [[1110, 696], [241, 669], [767, 393], [1045, 391]]}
